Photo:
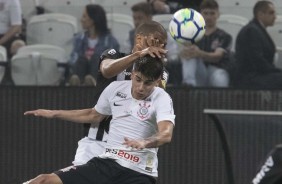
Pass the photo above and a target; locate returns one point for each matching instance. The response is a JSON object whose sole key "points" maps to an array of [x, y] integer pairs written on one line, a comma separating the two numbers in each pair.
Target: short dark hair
{"points": [[209, 4], [150, 67], [142, 7], [151, 27], [98, 16], [261, 6]]}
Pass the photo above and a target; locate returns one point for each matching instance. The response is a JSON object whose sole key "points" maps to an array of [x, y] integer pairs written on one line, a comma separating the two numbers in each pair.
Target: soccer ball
{"points": [[187, 26]]}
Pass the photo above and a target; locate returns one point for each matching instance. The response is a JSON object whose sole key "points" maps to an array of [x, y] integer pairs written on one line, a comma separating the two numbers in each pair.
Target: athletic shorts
{"points": [[102, 171]]}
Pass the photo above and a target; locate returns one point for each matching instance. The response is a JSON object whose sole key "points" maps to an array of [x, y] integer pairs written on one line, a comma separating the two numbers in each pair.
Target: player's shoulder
{"points": [[119, 88], [120, 84], [160, 93], [111, 54]]}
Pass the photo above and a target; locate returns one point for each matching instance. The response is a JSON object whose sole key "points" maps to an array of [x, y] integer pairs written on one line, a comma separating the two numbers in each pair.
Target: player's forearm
{"points": [[158, 139], [77, 116], [111, 68]]}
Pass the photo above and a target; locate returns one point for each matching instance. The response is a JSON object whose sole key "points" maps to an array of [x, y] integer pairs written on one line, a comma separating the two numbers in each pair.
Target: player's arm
{"points": [[78, 116], [163, 136], [111, 67]]}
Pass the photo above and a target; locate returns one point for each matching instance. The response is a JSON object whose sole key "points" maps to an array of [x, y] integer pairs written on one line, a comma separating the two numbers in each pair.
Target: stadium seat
{"points": [[56, 51], [241, 3], [23, 69], [232, 24], [276, 31], [3, 61], [237, 7], [70, 7], [120, 25], [164, 19], [35, 69], [53, 29], [117, 6], [28, 8]]}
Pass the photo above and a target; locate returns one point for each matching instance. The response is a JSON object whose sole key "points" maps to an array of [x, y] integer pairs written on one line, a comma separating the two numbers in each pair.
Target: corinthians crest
{"points": [[143, 111]]}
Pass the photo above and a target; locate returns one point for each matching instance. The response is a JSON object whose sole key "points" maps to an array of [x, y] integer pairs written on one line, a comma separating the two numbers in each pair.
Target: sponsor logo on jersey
{"points": [[143, 111], [112, 51], [123, 155], [121, 95], [115, 104]]}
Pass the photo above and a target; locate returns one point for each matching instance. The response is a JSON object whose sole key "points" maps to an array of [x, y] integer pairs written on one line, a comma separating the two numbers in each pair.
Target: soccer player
{"points": [[150, 39], [143, 120]]}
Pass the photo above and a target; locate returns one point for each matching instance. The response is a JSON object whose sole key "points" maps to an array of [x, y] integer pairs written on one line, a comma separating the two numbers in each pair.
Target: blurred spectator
{"points": [[142, 12], [89, 45], [203, 64], [10, 22], [255, 51], [159, 6]]}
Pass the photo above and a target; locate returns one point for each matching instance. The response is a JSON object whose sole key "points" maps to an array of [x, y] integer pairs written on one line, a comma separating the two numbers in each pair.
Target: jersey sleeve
{"points": [[103, 105], [110, 54], [164, 108]]}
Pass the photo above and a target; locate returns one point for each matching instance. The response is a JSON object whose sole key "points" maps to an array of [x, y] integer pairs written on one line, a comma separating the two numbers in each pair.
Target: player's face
{"points": [[140, 17], [86, 21], [210, 16], [142, 86], [268, 17]]}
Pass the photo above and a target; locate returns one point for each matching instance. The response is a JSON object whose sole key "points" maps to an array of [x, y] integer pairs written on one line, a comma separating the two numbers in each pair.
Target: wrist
{"points": [[136, 55]]}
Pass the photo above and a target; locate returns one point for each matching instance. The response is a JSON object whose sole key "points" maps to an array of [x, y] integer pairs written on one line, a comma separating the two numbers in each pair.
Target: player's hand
{"points": [[154, 41], [136, 144], [41, 112], [153, 51]]}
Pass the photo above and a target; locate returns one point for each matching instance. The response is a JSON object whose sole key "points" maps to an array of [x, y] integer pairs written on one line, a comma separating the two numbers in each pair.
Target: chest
{"points": [[136, 109]]}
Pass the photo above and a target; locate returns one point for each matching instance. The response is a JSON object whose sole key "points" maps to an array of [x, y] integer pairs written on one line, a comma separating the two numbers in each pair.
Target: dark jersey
{"points": [[126, 74]]}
